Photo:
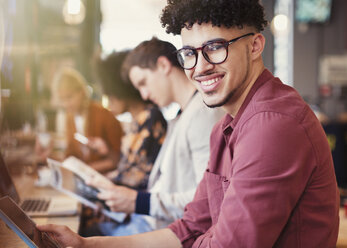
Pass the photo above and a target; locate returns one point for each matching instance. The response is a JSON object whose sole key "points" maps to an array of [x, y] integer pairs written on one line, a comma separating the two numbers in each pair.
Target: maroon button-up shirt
{"points": [[270, 181]]}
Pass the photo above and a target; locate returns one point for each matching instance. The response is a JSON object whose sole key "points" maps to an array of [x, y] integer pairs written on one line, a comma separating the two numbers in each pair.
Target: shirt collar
{"points": [[229, 121]]}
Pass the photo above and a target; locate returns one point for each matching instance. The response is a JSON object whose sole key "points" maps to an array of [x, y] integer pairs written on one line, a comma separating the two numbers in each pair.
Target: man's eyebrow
{"points": [[207, 42], [187, 46], [214, 40]]}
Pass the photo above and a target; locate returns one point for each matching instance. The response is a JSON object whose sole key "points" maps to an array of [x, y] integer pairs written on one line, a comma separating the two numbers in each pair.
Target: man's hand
{"points": [[118, 198], [62, 235], [100, 182]]}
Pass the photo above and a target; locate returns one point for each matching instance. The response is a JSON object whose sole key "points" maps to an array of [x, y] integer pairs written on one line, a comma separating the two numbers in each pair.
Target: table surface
{"points": [[25, 187]]}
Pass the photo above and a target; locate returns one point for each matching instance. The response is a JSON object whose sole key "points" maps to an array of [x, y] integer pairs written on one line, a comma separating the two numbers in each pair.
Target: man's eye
{"points": [[188, 53], [213, 47]]}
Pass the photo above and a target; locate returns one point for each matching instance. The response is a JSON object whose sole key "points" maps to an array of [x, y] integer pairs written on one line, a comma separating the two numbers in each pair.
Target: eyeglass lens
{"points": [[214, 53]]}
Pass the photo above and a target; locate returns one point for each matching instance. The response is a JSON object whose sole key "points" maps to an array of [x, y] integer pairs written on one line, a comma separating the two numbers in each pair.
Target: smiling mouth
{"points": [[210, 81], [210, 85]]}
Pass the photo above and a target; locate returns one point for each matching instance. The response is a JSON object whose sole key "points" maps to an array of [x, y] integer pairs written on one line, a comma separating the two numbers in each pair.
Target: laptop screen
{"points": [[6, 184], [23, 226]]}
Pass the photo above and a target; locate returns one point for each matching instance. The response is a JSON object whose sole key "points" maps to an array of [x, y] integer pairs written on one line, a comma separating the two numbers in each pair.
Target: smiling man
{"points": [[270, 181]]}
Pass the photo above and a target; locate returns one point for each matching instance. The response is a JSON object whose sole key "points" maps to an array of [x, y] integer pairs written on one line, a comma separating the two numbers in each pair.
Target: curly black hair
{"points": [[180, 14]]}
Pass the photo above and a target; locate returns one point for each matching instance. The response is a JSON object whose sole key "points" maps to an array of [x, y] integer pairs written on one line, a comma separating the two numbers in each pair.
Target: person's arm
{"points": [[66, 238]]}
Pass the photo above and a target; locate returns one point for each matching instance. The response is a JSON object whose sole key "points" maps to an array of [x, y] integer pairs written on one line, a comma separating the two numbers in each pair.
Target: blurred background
{"points": [[306, 47]]}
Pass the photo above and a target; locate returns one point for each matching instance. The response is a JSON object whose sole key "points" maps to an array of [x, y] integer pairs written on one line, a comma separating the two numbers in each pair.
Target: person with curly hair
{"points": [[270, 180]]}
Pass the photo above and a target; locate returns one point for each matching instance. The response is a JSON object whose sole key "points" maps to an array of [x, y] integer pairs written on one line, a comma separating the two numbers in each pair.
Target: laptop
{"points": [[23, 226], [36, 206]]}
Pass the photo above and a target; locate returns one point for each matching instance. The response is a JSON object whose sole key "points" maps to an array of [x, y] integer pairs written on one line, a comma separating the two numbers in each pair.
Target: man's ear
{"points": [[257, 45], [164, 64]]}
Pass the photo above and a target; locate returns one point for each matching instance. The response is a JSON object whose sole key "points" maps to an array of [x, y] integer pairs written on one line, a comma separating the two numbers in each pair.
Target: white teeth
{"points": [[209, 82]]}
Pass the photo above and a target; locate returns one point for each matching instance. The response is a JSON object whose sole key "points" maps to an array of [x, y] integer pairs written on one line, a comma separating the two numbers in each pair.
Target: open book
{"points": [[70, 176]]}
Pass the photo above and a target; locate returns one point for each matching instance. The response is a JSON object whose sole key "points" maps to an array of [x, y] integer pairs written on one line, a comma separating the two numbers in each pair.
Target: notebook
{"points": [[69, 178], [36, 206], [23, 226]]}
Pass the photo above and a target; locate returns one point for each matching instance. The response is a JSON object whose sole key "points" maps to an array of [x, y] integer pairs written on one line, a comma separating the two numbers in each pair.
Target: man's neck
{"points": [[236, 102]]}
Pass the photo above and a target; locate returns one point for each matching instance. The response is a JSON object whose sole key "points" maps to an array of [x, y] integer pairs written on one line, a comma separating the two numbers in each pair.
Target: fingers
{"points": [[106, 195], [110, 200], [91, 181], [48, 228], [62, 235], [120, 199], [56, 230]]}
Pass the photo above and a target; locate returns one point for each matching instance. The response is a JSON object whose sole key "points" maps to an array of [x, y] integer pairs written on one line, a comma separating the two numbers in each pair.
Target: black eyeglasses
{"points": [[215, 52]]}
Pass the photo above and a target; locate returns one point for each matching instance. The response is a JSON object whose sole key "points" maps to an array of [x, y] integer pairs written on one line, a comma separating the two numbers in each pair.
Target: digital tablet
{"points": [[69, 178], [23, 226]]}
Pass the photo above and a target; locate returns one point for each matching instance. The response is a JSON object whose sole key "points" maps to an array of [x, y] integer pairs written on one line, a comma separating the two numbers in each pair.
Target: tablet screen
{"points": [[21, 224]]}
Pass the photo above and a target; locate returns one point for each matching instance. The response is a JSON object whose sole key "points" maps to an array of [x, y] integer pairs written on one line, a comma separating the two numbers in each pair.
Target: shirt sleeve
{"points": [[142, 203], [272, 162]]}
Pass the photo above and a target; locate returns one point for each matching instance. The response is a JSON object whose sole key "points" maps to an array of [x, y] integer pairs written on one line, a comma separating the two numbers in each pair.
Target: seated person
{"points": [[142, 140], [154, 70], [87, 117], [146, 132]]}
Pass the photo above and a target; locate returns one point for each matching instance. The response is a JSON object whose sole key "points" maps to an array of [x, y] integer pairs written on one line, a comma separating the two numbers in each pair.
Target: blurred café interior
{"points": [[306, 46]]}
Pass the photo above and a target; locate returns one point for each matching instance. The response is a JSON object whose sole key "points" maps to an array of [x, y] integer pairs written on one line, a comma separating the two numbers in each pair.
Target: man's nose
{"points": [[202, 64]]}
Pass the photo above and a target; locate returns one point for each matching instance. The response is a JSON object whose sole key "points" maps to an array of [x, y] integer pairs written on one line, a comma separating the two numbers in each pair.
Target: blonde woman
{"points": [[86, 117]]}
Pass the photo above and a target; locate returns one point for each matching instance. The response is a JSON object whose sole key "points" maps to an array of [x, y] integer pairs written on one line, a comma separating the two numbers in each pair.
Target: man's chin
{"points": [[214, 105], [217, 103]]}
